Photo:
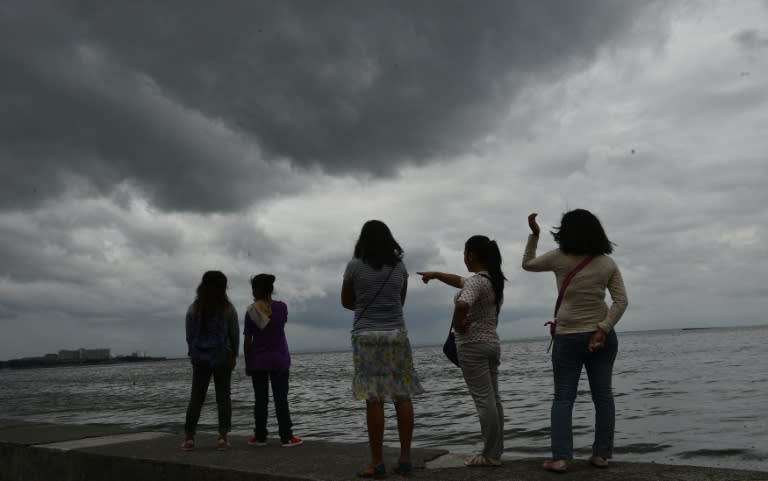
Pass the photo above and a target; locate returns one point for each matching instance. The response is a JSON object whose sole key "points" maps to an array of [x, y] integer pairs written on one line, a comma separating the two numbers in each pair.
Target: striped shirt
{"points": [[386, 311]]}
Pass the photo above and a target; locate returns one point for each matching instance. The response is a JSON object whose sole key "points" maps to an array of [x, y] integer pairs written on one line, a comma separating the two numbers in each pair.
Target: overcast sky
{"points": [[143, 143]]}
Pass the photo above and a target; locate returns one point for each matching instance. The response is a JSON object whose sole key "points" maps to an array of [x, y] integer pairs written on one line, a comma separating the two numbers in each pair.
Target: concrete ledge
{"points": [[32, 452]]}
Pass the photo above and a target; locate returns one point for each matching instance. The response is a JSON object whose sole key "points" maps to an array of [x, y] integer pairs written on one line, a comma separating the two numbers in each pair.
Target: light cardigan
{"points": [[583, 308]]}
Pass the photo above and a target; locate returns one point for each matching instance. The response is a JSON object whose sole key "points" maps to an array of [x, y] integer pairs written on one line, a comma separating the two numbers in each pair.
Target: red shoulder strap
{"points": [[568, 279]]}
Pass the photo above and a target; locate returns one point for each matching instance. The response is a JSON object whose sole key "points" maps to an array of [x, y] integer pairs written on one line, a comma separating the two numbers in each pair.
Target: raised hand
{"points": [[533, 224]]}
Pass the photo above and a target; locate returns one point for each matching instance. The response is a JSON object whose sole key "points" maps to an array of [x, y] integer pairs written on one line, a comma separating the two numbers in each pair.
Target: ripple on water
{"points": [[666, 410]]}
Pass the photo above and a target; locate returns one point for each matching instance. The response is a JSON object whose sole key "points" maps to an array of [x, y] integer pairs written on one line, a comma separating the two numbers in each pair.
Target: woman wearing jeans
{"points": [[585, 335], [475, 317], [267, 361]]}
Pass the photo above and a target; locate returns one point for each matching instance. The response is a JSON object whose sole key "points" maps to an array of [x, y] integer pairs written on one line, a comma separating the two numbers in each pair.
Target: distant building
{"points": [[84, 355], [94, 354], [66, 355]]}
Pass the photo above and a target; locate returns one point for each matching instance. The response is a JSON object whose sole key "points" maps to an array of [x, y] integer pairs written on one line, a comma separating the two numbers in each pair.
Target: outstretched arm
{"points": [[451, 279]]}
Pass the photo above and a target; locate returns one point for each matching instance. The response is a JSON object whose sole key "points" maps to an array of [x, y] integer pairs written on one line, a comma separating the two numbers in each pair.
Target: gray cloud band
{"points": [[190, 104]]}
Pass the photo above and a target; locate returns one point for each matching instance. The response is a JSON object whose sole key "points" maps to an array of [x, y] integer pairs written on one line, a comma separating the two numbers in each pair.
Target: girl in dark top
{"points": [[212, 342], [267, 360]]}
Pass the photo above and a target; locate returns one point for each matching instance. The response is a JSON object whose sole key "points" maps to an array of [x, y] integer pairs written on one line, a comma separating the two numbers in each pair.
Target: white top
{"points": [[583, 308], [477, 292]]}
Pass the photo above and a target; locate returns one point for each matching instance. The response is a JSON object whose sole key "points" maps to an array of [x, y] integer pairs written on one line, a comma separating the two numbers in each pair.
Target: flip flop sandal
{"points": [[222, 444], [480, 461], [403, 468], [188, 445], [374, 472], [556, 465]]}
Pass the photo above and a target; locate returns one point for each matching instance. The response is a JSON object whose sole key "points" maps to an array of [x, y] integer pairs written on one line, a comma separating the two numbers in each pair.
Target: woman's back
{"points": [[583, 308], [269, 347], [384, 310]]}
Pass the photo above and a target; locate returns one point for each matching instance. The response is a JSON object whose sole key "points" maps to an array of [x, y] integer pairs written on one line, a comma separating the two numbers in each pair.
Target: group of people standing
{"points": [[375, 284], [213, 339]]}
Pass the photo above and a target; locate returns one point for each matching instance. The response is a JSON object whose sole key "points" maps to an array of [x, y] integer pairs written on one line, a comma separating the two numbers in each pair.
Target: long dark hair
{"points": [[580, 233], [211, 295], [487, 252], [376, 246]]}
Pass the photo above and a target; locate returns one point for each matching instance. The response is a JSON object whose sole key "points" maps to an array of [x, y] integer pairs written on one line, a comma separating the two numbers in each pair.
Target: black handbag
{"points": [[449, 348]]}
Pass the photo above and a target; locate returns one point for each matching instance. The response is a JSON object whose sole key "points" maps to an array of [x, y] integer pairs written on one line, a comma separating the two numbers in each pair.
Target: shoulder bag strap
{"points": [[377, 292], [568, 280], [450, 327], [553, 323]]}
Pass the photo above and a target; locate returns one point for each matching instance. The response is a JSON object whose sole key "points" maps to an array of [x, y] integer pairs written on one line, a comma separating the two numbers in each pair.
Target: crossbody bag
{"points": [[553, 323]]}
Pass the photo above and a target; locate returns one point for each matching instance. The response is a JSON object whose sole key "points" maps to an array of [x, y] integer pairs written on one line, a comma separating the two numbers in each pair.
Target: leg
{"points": [[476, 368], [599, 371], [567, 360], [375, 420], [260, 381], [201, 377], [280, 394], [222, 379], [494, 371], [404, 409]]}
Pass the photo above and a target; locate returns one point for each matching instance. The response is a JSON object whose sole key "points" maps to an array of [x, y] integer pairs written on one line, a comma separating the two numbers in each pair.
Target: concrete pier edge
{"points": [[50, 452]]}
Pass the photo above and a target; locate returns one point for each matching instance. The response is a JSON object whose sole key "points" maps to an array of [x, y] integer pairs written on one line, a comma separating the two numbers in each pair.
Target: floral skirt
{"points": [[383, 366]]}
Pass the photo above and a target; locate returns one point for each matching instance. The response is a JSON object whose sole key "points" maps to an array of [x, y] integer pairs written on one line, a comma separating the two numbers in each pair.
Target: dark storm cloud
{"points": [[192, 103]]}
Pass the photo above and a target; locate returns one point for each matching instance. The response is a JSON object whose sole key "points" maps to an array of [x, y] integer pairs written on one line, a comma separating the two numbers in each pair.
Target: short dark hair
{"points": [[262, 285], [376, 246], [580, 233]]}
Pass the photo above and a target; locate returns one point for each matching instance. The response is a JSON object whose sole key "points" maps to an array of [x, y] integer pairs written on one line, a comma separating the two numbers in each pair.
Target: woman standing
{"points": [[212, 341], [374, 286], [475, 318], [584, 335], [267, 360]]}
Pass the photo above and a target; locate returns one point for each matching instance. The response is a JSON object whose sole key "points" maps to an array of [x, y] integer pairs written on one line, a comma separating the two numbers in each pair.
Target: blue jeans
{"points": [[279, 381], [569, 354]]}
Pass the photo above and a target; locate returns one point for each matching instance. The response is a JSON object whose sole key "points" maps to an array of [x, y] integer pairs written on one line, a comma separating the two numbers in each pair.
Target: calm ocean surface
{"points": [[682, 397]]}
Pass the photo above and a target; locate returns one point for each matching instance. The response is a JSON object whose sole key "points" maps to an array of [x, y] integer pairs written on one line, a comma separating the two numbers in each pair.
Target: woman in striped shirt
{"points": [[375, 284]]}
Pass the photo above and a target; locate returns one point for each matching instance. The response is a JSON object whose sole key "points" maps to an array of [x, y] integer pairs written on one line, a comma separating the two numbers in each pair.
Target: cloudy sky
{"points": [[143, 143]]}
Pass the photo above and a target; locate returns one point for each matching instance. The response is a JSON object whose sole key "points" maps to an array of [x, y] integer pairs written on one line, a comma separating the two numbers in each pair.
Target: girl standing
{"points": [[475, 317], [267, 361]]}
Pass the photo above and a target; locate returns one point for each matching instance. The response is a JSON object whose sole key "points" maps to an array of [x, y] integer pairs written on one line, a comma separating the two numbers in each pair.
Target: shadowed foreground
{"points": [[37, 451]]}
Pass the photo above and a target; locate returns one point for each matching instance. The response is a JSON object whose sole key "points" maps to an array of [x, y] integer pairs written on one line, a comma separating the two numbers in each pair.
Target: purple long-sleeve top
{"points": [[269, 346]]}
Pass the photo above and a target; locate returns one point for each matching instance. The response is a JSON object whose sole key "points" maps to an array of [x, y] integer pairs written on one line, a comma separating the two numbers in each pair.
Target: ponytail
{"points": [[488, 254]]}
